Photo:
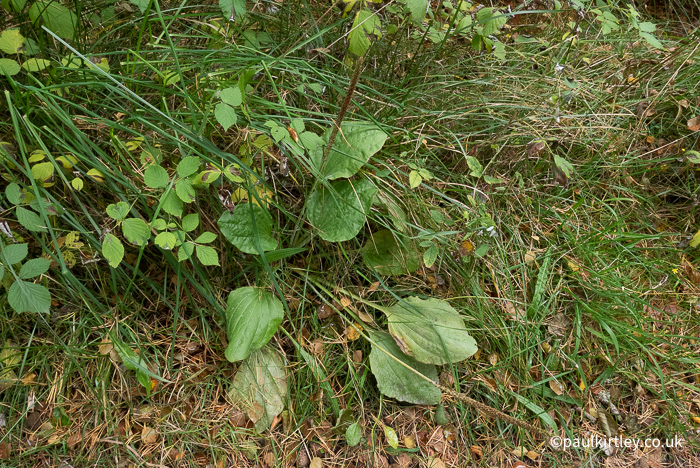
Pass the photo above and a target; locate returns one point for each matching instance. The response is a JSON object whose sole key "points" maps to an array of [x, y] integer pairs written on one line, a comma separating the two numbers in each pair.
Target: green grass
{"points": [[583, 289]]}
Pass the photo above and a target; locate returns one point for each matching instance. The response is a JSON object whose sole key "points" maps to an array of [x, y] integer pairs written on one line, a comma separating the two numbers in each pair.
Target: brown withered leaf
{"points": [[557, 387], [73, 440], [434, 462], [4, 450], [324, 311], [534, 147], [694, 124], [559, 324], [353, 332], [149, 435], [105, 346]]}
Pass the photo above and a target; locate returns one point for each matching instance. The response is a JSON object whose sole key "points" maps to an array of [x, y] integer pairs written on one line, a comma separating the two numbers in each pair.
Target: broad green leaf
{"points": [[252, 317], [13, 193], [355, 144], [310, 141], [113, 250], [56, 17], [205, 238], [651, 39], [42, 171], [118, 211], [207, 255], [29, 219], [188, 166], [391, 437], [492, 20], [29, 297], [366, 23], [136, 231], [340, 211], [12, 41], [394, 374], [475, 166], [155, 177], [35, 64], [166, 240], [225, 115], [190, 222], [647, 27], [418, 9], [232, 96], [353, 434], [414, 179], [34, 267], [185, 251], [77, 184], [430, 330], [171, 203], [247, 226], [383, 253], [9, 66], [185, 191], [13, 253], [260, 387]]}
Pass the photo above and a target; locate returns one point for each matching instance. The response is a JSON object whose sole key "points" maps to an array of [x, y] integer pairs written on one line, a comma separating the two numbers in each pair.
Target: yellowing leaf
{"points": [[354, 332], [695, 241], [391, 438]]}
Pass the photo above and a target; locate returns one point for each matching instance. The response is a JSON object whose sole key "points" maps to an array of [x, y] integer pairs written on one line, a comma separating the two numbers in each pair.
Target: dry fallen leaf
{"points": [[557, 387], [105, 346], [149, 435], [519, 451], [345, 302], [476, 451], [316, 463], [434, 462], [534, 147], [694, 124], [353, 331], [410, 441], [529, 257], [532, 455], [73, 440]]}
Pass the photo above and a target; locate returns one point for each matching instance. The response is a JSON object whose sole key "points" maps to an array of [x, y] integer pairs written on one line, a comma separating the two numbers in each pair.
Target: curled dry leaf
{"points": [[557, 387], [105, 346]]}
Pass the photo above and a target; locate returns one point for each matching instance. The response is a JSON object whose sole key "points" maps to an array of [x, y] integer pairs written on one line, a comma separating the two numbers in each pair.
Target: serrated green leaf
{"points": [[56, 17], [118, 211], [385, 254], [310, 141], [166, 240], [356, 143], [232, 9], [430, 330], [190, 222], [29, 219], [418, 9], [394, 372], [185, 191], [155, 177], [171, 203], [112, 250], [651, 39], [13, 253], [339, 212], [205, 238], [207, 255], [247, 226], [13, 193], [430, 255], [34, 267], [232, 96], [260, 387], [29, 297], [188, 166], [136, 231], [225, 115], [12, 41], [252, 317], [185, 251]]}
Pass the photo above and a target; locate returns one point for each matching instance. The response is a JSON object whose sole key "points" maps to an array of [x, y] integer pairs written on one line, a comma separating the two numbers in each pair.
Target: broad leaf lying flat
{"points": [[383, 253], [260, 387], [395, 380], [24, 296], [252, 317], [340, 212], [238, 228], [354, 145], [431, 331]]}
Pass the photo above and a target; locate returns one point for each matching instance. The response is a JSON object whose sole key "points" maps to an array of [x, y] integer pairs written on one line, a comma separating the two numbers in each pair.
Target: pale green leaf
{"points": [[136, 231], [564, 165], [29, 219], [252, 317], [430, 255], [13, 193], [207, 255], [36, 64], [430, 330], [190, 222], [12, 41], [418, 9], [247, 227], [113, 250], [118, 211], [414, 179], [232, 96], [166, 240], [225, 115], [260, 387], [28, 297], [391, 437], [474, 166], [396, 374], [13, 253], [171, 203], [185, 191], [695, 241], [188, 166], [155, 177], [339, 211], [9, 66], [205, 238], [366, 24], [185, 251], [353, 434], [42, 171]]}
